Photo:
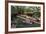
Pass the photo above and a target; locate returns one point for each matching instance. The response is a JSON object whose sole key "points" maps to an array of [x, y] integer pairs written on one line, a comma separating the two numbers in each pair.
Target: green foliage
{"points": [[36, 12], [26, 9]]}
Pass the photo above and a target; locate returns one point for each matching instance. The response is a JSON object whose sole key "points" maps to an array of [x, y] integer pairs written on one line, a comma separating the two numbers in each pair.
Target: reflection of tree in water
{"points": [[33, 12]]}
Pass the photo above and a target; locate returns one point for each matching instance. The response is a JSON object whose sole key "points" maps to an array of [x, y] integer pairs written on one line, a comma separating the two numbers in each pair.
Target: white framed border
{"points": [[23, 29]]}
